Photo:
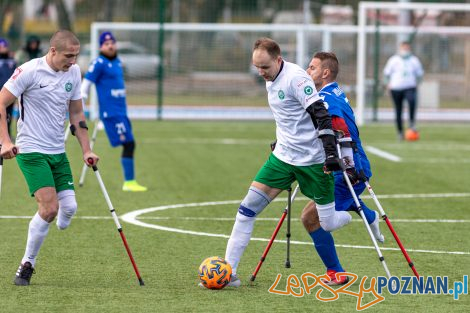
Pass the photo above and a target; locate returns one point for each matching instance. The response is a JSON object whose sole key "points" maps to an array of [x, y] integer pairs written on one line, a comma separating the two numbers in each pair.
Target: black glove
{"points": [[332, 164], [332, 161], [273, 145], [353, 176]]}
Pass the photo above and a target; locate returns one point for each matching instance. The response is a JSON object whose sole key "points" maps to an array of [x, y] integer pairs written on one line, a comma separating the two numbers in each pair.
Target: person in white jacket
{"points": [[402, 74]]}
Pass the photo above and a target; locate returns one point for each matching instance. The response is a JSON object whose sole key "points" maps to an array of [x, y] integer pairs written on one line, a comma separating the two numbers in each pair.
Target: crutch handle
{"points": [[94, 167]]}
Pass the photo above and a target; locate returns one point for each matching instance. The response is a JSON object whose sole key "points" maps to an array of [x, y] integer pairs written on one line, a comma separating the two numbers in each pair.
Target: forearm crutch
{"points": [[289, 214], [1, 170], [361, 213], [276, 230], [118, 225], [15, 151], [92, 143], [389, 224]]}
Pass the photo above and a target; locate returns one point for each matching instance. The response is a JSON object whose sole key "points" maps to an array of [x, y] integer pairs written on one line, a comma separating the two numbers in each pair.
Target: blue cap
{"points": [[3, 43], [106, 36]]}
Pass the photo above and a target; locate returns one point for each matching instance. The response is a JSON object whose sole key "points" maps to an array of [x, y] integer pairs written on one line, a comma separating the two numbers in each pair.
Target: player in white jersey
{"points": [[48, 88], [305, 149]]}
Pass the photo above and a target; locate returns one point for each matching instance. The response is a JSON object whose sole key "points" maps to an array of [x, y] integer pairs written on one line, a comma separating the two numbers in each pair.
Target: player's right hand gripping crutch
{"points": [[1, 170], [361, 213], [276, 230], [92, 143], [116, 221], [15, 151], [389, 224]]}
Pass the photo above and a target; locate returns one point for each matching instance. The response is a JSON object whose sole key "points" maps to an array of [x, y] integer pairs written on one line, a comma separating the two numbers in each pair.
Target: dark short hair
{"points": [[62, 38], [329, 61], [269, 45]]}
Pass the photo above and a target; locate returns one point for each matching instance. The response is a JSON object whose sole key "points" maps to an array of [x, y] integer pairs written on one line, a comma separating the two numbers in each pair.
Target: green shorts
{"points": [[45, 170], [313, 182]]}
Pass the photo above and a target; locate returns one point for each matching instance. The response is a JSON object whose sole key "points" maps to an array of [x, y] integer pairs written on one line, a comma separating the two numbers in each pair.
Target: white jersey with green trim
{"points": [[291, 92], [44, 97]]}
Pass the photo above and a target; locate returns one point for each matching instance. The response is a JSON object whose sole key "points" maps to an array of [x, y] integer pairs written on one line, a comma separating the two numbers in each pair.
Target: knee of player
{"points": [[128, 149], [70, 207], [309, 217], [48, 211], [254, 202], [67, 202]]}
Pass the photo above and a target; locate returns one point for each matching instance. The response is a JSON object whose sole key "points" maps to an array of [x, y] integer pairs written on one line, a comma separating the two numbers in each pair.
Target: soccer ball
{"points": [[214, 273], [411, 134]]}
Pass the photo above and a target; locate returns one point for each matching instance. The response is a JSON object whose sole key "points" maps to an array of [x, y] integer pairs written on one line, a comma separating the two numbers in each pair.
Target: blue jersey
{"points": [[338, 105], [7, 67], [108, 77]]}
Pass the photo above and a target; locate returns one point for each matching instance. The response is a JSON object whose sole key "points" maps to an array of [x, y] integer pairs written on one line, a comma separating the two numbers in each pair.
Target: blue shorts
{"points": [[343, 198], [118, 129]]}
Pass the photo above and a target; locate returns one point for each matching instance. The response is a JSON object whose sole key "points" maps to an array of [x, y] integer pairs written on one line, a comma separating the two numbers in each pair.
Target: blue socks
{"points": [[370, 215], [325, 246], [128, 168]]}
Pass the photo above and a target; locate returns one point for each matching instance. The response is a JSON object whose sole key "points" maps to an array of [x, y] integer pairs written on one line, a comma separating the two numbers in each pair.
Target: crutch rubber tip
{"points": [[141, 282], [287, 264], [253, 277], [80, 184]]}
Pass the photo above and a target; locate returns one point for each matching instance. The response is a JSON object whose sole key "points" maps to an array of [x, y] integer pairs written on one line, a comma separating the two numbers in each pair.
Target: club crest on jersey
{"points": [[308, 90], [68, 87], [281, 94]]}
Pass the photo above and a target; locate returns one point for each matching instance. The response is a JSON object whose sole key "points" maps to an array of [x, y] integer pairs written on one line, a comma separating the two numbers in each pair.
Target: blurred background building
{"points": [[213, 67]]}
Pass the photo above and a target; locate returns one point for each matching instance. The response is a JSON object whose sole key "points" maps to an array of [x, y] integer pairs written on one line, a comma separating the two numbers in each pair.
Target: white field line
{"points": [[213, 141], [246, 141], [231, 219], [133, 218], [435, 146], [371, 149], [438, 160], [269, 219], [383, 154]]}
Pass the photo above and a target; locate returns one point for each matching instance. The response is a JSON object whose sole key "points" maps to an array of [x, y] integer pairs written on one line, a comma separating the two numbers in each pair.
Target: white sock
{"points": [[239, 239], [38, 229], [374, 227], [67, 208], [330, 219]]}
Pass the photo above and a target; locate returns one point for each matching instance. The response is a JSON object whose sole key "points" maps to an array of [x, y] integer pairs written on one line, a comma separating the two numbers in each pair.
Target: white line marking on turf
{"points": [[383, 154], [231, 219], [269, 219], [79, 217], [212, 141], [132, 218]]}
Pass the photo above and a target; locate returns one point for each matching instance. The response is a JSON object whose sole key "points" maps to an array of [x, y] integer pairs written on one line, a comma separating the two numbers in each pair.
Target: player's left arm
{"points": [[78, 126], [346, 146], [304, 90]]}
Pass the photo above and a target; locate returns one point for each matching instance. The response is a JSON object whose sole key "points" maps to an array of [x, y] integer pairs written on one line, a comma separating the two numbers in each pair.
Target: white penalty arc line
{"points": [[383, 154], [270, 219], [132, 218], [232, 219]]}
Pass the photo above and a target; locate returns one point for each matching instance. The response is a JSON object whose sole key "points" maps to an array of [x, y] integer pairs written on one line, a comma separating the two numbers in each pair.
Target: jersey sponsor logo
{"points": [[281, 94], [68, 87], [308, 90], [16, 73], [302, 82], [117, 93]]}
